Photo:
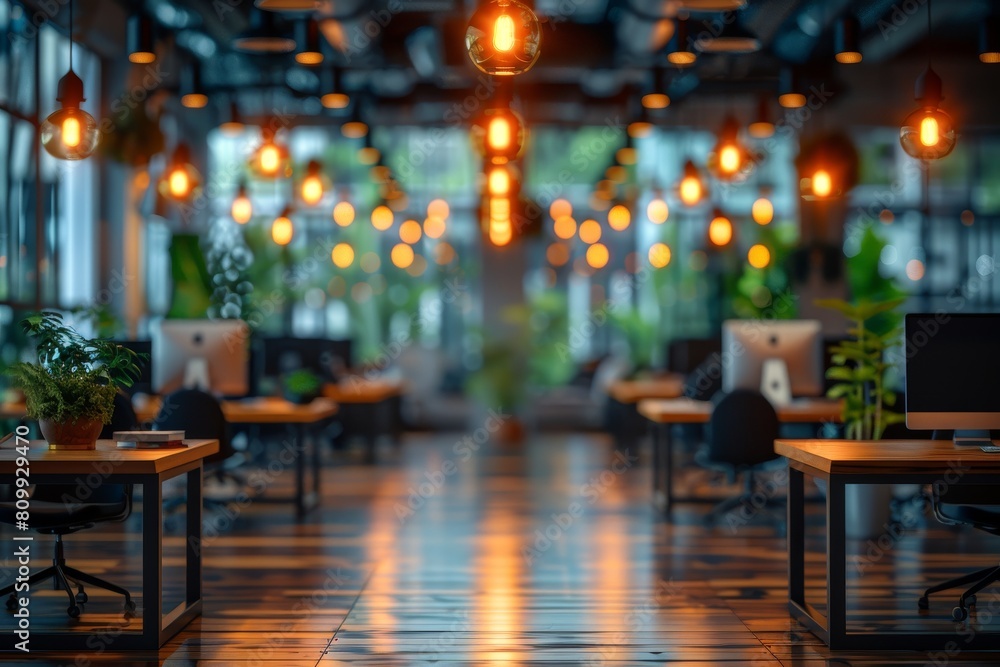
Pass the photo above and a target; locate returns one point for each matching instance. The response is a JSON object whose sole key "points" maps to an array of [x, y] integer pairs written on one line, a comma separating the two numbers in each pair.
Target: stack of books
{"points": [[149, 439]]}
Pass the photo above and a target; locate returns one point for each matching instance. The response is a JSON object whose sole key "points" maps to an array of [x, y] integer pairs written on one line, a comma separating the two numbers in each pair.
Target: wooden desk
{"points": [[263, 410], [370, 408], [116, 466], [664, 413], [633, 391], [842, 462]]}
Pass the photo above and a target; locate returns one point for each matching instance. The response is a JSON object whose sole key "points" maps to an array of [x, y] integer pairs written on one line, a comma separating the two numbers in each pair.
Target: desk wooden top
{"points": [[878, 457], [690, 411], [356, 389], [633, 391], [265, 410], [123, 461]]}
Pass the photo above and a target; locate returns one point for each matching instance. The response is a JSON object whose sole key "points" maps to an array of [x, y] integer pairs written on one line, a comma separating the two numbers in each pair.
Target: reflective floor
{"points": [[455, 551]]}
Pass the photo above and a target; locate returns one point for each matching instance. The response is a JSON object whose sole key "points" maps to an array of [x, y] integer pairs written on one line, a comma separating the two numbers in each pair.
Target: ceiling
{"points": [[404, 60]]}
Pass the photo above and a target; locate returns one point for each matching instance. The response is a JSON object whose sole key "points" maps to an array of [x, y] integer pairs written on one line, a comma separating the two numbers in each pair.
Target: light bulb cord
{"points": [[71, 35], [929, 40]]}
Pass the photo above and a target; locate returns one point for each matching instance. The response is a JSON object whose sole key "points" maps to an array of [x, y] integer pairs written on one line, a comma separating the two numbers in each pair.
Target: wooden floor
{"points": [[548, 552]]}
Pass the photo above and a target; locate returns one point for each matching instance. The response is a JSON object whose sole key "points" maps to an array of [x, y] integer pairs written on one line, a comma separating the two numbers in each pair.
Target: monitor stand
{"points": [[972, 438], [196, 374], [774, 382]]}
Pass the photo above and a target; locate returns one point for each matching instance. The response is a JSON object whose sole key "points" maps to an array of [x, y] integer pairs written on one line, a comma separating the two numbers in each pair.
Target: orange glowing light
{"points": [[759, 256], [762, 211], [930, 132], [499, 133], [690, 191], [438, 208], [342, 255], [343, 213], [822, 183], [72, 133], [410, 232], [312, 189], [564, 227], [557, 254], [659, 255], [179, 183], [598, 256], [270, 159], [619, 218], [720, 231], [729, 159], [402, 255], [435, 227], [282, 230], [657, 211], [382, 218], [242, 209], [504, 33], [590, 231], [498, 183]]}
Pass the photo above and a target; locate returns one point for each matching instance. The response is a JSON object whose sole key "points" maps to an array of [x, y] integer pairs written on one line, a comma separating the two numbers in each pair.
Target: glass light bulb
{"points": [[70, 133], [179, 182], [930, 133], [504, 33], [498, 134], [312, 189], [282, 230], [822, 183], [499, 182], [720, 231], [343, 214], [690, 190], [729, 159], [657, 211], [759, 257], [242, 209], [762, 211], [270, 159]]}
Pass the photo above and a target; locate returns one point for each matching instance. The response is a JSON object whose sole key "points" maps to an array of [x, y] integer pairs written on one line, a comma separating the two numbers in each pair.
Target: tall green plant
{"points": [[860, 368], [75, 378]]}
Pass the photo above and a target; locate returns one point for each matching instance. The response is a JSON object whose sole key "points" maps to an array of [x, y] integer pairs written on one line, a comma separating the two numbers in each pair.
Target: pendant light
{"points": [[242, 208], [312, 189], [680, 53], [503, 37], [729, 159], [263, 36], [928, 133], [234, 126], [657, 97], [309, 51], [763, 125], [283, 229], [271, 160], [789, 95], [762, 210], [720, 229], [141, 38], [332, 93], [733, 38], [181, 181], [691, 189], [355, 127], [847, 41], [989, 41], [192, 94], [70, 133]]}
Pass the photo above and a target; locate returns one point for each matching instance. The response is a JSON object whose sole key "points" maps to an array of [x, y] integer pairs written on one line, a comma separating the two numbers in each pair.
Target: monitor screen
{"points": [[209, 354], [748, 344], [952, 367], [328, 358]]}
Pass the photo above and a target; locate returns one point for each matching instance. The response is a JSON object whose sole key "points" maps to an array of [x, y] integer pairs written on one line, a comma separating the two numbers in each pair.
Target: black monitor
{"points": [[327, 358], [951, 369], [144, 384]]}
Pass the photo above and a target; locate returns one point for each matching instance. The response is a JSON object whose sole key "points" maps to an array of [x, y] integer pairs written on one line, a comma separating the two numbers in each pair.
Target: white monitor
{"points": [[212, 355], [751, 346], [952, 365]]}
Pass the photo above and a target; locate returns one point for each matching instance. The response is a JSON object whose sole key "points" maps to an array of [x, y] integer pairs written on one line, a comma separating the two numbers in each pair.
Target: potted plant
{"points": [[301, 386], [859, 367], [70, 390]]}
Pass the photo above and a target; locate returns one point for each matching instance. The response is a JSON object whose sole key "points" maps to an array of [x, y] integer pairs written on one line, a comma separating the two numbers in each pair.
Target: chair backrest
{"points": [[123, 417], [199, 415], [684, 355], [742, 429], [705, 381]]}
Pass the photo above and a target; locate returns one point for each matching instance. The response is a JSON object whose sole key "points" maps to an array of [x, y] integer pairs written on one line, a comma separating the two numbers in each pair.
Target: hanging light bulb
{"points": [[234, 126], [729, 160], [503, 37], [762, 210], [192, 94], [344, 213], [70, 133], [989, 41], [498, 182], [382, 218], [759, 256], [691, 190], [333, 95], [271, 160], [242, 209], [502, 135], [657, 97], [619, 218], [720, 229], [928, 133], [355, 127], [659, 255], [180, 181], [312, 188], [681, 53], [282, 229], [821, 184], [789, 95]]}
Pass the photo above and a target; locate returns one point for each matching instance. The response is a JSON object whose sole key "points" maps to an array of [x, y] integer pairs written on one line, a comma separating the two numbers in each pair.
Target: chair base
{"points": [[64, 578], [980, 578], [748, 506]]}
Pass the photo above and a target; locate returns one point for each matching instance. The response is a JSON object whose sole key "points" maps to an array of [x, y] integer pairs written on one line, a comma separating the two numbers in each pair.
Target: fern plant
{"points": [[75, 378], [860, 368]]}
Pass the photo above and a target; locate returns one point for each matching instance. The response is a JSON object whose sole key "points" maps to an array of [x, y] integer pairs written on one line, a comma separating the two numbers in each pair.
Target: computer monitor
{"points": [[144, 383], [327, 358], [788, 353], [207, 354], [952, 366]]}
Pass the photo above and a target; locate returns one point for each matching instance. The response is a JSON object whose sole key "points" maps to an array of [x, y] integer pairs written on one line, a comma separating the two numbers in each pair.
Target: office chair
{"points": [[200, 416], [741, 435], [123, 418], [976, 505], [52, 515]]}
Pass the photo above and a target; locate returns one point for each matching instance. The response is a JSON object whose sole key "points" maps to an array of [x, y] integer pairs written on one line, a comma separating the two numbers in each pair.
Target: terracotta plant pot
{"points": [[81, 434]]}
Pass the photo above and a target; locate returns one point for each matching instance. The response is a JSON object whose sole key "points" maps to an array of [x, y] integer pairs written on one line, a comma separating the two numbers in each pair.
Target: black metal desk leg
{"points": [[316, 463], [836, 563], [796, 536], [152, 559], [300, 470], [654, 432], [668, 469], [194, 517]]}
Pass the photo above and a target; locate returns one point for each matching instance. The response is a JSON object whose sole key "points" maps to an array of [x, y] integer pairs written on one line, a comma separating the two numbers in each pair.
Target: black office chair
{"points": [[200, 416], [741, 435], [52, 513], [976, 505], [123, 418]]}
